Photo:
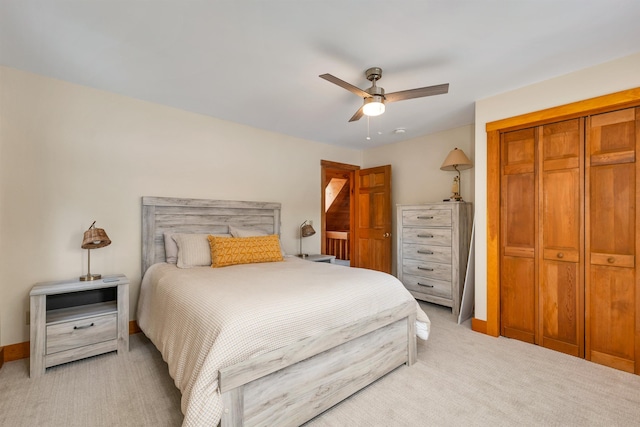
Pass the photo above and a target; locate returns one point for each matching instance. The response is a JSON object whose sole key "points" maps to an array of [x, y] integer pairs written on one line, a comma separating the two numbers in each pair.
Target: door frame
{"points": [[618, 100], [351, 170]]}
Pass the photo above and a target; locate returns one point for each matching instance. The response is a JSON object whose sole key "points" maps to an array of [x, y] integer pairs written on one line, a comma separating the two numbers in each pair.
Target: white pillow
{"points": [[246, 232], [193, 249]]}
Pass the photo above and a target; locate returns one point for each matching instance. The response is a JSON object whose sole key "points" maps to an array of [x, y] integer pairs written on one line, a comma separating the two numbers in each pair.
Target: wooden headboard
{"points": [[168, 214]]}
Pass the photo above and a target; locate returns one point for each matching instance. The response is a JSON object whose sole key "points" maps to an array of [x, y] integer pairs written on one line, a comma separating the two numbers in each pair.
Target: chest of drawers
{"points": [[433, 247]]}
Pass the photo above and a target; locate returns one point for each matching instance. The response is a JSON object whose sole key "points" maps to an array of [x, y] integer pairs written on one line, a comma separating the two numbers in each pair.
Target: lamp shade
{"points": [[307, 230], [95, 238], [456, 160]]}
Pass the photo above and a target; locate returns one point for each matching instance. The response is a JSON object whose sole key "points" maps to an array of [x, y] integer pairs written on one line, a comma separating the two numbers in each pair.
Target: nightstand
{"points": [[72, 320], [320, 258]]}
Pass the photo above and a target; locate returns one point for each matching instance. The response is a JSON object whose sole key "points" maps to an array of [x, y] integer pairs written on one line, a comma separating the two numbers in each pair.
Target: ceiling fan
{"points": [[375, 98]]}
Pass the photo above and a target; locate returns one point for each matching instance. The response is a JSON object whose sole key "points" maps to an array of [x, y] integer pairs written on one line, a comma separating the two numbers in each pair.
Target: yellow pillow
{"points": [[244, 250]]}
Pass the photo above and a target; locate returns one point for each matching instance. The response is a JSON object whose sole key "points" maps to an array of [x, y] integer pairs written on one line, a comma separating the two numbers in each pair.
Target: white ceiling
{"points": [[257, 62]]}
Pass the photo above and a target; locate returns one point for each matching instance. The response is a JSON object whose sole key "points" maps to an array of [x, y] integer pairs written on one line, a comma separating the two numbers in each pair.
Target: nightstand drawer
{"points": [[417, 252], [82, 332], [427, 218], [427, 286], [427, 236]]}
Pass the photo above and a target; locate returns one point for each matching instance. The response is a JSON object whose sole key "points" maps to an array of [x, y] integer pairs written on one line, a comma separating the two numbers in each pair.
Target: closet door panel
{"points": [[561, 214], [518, 236], [519, 230], [560, 314], [613, 210], [516, 294], [561, 292], [611, 323], [612, 283]]}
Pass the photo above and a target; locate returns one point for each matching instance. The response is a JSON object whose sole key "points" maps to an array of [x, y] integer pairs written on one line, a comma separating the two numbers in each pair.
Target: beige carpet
{"points": [[461, 379]]}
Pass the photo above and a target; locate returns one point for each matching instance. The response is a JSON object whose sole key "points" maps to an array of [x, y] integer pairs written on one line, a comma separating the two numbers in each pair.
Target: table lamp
{"points": [[456, 161], [306, 230], [94, 238]]}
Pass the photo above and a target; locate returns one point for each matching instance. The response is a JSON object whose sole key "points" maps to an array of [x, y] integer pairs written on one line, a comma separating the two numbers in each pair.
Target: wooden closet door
{"points": [[518, 235], [612, 290], [561, 237]]}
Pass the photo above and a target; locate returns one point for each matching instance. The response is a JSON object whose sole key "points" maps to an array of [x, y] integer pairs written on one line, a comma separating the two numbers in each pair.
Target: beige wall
{"points": [[603, 79], [70, 155], [415, 168]]}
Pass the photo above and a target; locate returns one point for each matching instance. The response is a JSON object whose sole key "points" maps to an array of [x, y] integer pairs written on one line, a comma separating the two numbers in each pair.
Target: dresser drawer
{"points": [[82, 332], [427, 236], [427, 218], [441, 254], [431, 270], [423, 285]]}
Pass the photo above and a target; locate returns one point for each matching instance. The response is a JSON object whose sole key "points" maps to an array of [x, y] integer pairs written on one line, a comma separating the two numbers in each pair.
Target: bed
{"points": [[275, 343]]}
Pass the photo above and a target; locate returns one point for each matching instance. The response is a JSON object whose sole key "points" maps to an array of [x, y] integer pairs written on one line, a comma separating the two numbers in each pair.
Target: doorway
{"points": [[356, 215], [338, 210]]}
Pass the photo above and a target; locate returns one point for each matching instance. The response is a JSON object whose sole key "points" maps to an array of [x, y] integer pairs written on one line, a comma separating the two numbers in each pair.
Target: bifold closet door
{"points": [[518, 293], [612, 290], [561, 236]]}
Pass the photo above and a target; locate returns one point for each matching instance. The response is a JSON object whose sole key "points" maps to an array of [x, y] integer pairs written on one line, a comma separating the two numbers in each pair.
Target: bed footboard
{"points": [[292, 385]]}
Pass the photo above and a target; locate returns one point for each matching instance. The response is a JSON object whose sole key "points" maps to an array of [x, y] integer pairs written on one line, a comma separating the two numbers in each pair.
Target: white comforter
{"points": [[203, 319]]}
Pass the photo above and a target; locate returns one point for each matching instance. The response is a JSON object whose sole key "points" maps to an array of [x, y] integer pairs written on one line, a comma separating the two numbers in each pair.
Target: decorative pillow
{"points": [[250, 232], [244, 250], [170, 248], [193, 250], [245, 232]]}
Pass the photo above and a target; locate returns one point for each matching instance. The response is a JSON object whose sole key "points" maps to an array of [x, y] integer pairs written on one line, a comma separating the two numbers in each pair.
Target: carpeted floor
{"points": [[461, 378]]}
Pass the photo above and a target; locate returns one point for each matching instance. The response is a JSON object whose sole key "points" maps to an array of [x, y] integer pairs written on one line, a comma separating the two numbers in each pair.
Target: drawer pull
{"points": [[425, 268], [425, 284], [425, 217], [560, 255], [611, 260], [426, 236], [425, 252], [84, 326]]}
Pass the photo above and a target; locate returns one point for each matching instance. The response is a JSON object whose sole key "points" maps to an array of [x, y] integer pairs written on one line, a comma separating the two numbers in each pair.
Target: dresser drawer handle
{"points": [[425, 284], [425, 217], [84, 326], [425, 252], [611, 260], [425, 268], [426, 236]]}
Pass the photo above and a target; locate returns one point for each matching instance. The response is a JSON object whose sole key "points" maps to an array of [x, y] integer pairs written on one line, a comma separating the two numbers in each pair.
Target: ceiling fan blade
{"points": [[358, 115], [417, 93], [345, 85]]}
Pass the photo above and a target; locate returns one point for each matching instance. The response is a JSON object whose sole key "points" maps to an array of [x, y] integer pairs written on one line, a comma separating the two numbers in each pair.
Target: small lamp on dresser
{"points": [[456, 161]]}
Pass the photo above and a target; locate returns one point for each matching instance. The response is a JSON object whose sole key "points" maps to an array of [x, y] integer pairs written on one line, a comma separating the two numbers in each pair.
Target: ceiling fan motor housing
{"points": [[375, 91]]}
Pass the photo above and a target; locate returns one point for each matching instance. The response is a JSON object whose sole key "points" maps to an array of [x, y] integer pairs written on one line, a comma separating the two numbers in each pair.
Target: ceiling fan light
{"points": [[373, 106]]}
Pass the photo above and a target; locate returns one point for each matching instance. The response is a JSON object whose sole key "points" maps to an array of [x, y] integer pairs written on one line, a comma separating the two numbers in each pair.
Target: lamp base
{"points": [[89, 277], [303, 256]]}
